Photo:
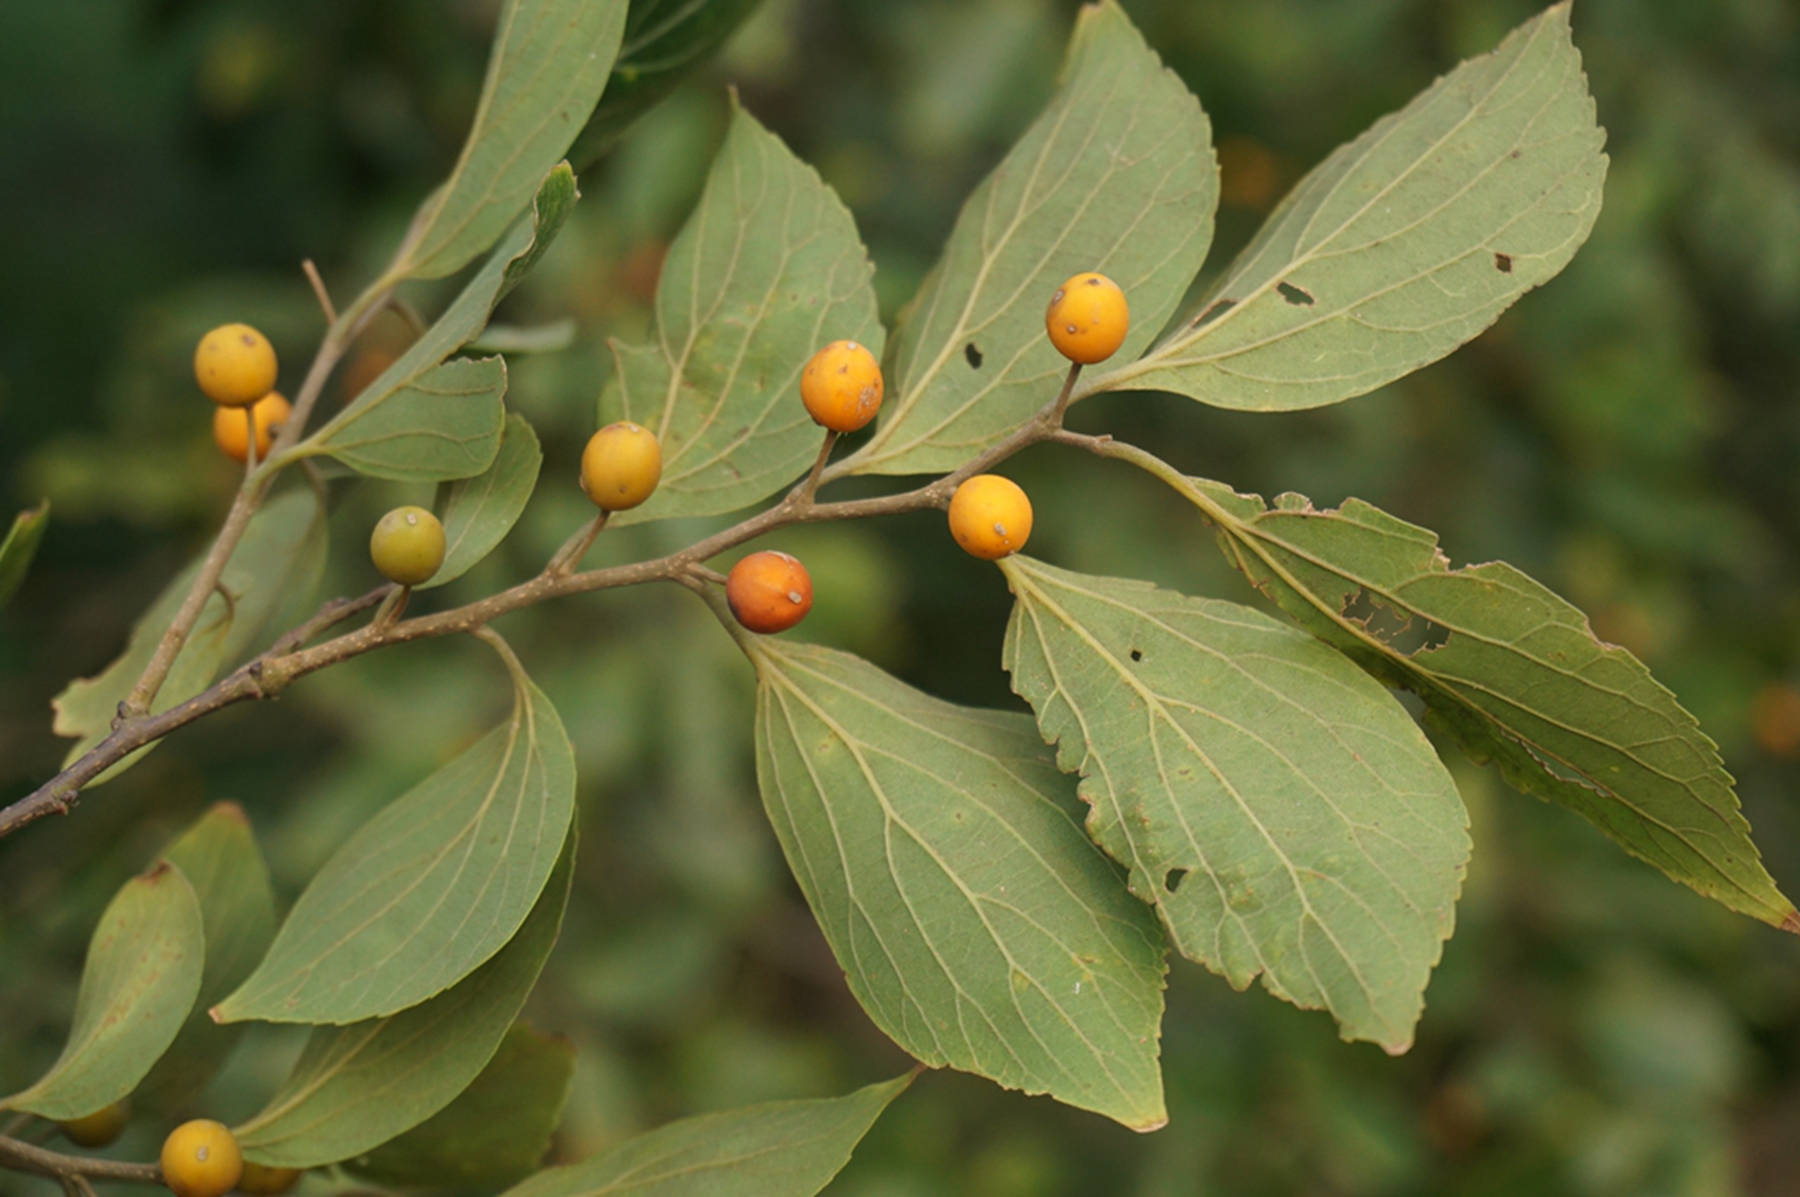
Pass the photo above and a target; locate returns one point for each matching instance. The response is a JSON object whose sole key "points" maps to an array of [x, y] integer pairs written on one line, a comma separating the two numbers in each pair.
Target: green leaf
{"points": [[1117, 175], [1516, 674], [482, 510], [356, 1087], [549, 64], [418, 442], [778, 1149], [495, 1133], [142, 972], [445, 423], [766, 271], [537, 338], [664, 41], [940, 851], [20, 545], [1278, 807], [278, 562], [428, 889], [1404, 243], [220, 858]]}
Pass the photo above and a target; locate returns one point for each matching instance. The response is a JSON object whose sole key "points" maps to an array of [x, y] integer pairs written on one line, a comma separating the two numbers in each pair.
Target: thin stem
{"points": [[1062, 399], [566, 558], [807, 489], [249, 440], [319, 291], [393, 605], [23, 1157]]}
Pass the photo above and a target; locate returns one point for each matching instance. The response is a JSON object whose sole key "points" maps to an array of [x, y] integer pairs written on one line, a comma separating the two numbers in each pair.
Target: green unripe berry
{"points": [[407, 545]]}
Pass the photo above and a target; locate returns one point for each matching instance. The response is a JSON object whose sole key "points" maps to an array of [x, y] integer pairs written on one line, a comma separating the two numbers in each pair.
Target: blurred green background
{"points": [[1628, 435]]}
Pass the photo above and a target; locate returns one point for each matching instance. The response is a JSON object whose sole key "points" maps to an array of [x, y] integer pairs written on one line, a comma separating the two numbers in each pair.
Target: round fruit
{"points": [[261, 1178], [841, 386], [201, 1159], [99, 1128], [769, 591], [621, 466], [1088, 318], [235, 365], [233, 438], [990, 516], [407, 545]]}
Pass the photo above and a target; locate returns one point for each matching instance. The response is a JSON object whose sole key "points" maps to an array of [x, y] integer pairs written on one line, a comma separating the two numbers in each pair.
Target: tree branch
{"points": [[23, 1157]]}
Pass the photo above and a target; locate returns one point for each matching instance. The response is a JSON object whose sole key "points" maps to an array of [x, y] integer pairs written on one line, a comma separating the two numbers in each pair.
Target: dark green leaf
{"points": [[142, 972], [780, 1149], [940, 851], [1516, 674], [428, 889], [495, 1133], [550, 61], [766, 271], [1278, 807], [356, 1087], [1404, 243], [20, 545], [482, 510], [1118, 176]]}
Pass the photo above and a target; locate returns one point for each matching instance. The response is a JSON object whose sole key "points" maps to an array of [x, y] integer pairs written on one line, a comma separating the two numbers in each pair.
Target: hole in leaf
{"points": [[973, 355], [1295, 295], [1215, 311], [1137, 654], [1173, 880], [1406, 632], [1503, 263]]}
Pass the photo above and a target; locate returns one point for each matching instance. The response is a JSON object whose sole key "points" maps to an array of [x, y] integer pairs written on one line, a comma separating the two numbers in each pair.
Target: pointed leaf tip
{"points": [[1791, 924]]}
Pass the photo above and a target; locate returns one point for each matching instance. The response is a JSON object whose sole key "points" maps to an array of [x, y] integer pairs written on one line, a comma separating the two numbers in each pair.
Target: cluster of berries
{"points": [[199, 1158], [235, 367]]}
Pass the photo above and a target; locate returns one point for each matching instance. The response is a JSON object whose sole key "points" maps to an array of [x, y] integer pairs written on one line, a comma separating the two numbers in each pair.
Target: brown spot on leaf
{"points": [[1219, 308], [1791, 923], [972, 355], [155, 872], [1295, 295], [1173, 878], [1503, 263]]}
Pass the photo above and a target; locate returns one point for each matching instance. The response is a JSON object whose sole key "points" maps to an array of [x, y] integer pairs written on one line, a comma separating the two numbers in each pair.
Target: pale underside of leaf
{"points": [[1117, 175], [1516, 674], [766, 271], [939, 848], [358, 1086], [779, 1149], [428, 889], [480, 511], [445, 423], [1403, 244], [1282, 812], [142, 972]]}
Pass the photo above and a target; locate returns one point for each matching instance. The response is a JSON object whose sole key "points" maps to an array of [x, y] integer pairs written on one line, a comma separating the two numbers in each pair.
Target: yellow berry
{"points": [[1088, 318], [261, 1178], [233, 438], [990, 516], [769, 591], [621, 466], [201, 1159], [99, 1128], [235, 365], [407, 545], [841, 386]]}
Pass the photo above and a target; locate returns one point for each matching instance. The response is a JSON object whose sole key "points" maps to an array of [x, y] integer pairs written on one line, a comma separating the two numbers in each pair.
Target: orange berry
{"points": [[261, 1178], [235, 365], [1088, 318], [841, 386], [201, 1159], [407, 545], [229, 433], [769, 591], [990, 516], [99, 1128], [621, 466]]}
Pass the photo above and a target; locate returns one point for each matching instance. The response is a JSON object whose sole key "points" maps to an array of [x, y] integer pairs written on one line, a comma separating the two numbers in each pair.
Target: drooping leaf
{"points": [[495, 1133], [276, 565], [20, 545], [549, 64], [482, 510], [664, 41], [1117, 176], [553, 337], [429, 888], [1403, 244], [939, 848], [778, 1149], [766, 271], [1516, 674], [1278, 807], [142, 971], [419, 442], [221, 860], [359, 1086]]}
